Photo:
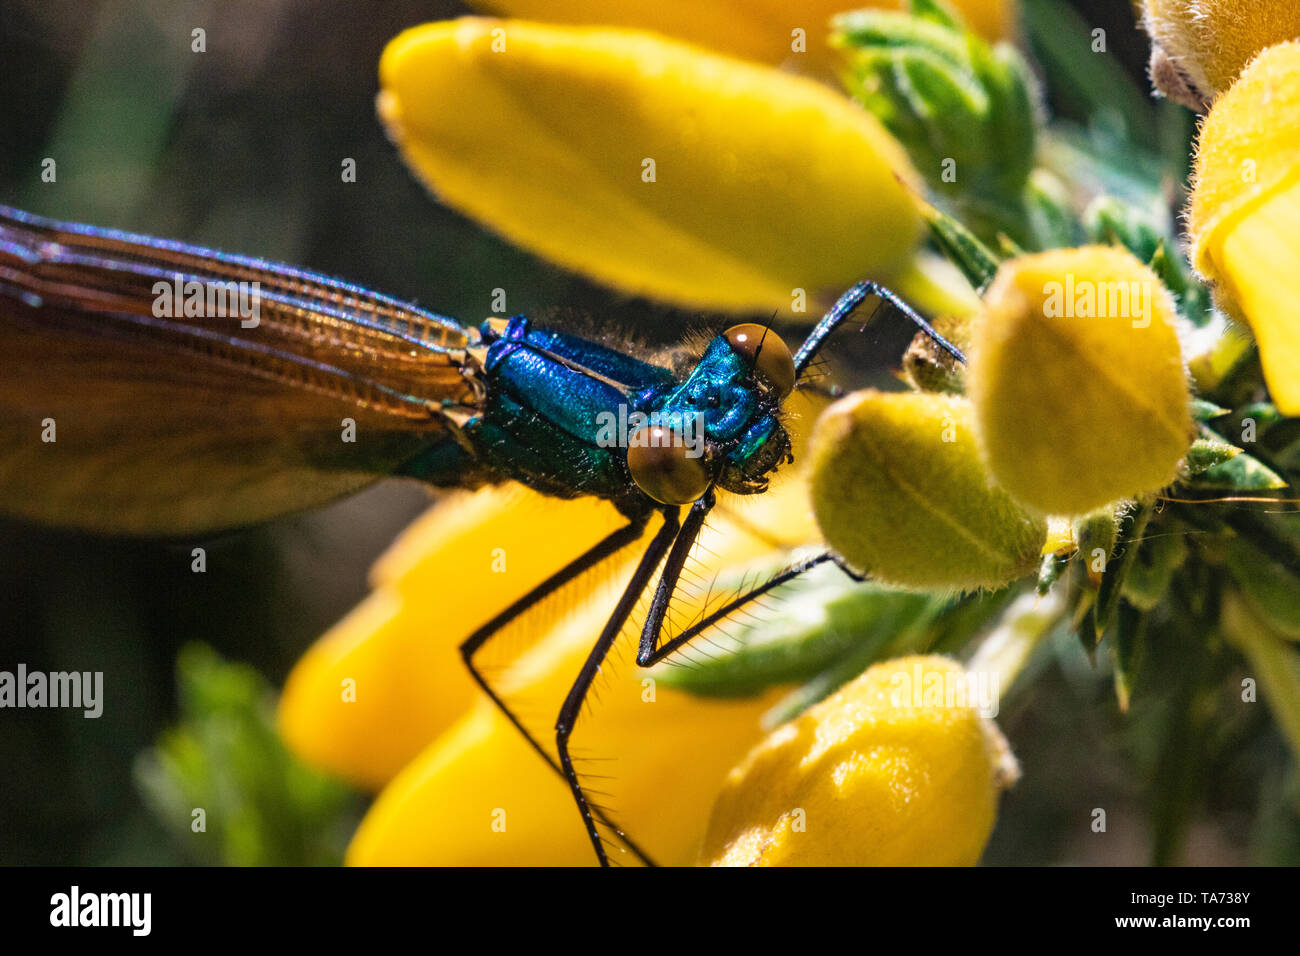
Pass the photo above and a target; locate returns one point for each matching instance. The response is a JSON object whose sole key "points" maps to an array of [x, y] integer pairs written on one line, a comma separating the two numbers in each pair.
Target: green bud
{"points": [[1097, 533], [899, 490], [929, 368], [1206, 453]]}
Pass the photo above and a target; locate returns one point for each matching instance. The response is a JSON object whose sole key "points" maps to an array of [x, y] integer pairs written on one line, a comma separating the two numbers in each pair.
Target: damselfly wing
{"points": [[116, 418]]}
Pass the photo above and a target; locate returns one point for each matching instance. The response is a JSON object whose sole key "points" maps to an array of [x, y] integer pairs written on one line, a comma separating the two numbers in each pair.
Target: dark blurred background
{"points": [[240, 148]]}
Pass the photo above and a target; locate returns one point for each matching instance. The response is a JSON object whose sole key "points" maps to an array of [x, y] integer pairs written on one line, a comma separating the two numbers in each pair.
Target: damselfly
{"points": [[192, 390]]}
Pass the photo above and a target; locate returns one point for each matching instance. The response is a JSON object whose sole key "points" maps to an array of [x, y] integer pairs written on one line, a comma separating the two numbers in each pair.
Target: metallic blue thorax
{"points": [[722, 389], [550, 397]]}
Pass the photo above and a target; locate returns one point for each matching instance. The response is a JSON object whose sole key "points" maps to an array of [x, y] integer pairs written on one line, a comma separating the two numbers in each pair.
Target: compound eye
{"points": [[766, 353], [664, 467]]}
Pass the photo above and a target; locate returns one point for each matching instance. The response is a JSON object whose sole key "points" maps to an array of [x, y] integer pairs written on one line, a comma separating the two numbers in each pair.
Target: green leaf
{"points": [[1149, 577], [935, 12], [1193, 298], [831, 620], [1130, 627], [964, 110], [1051, 223], [977, 262], [1241, 473], [1095, 83], [1207, 453], [1263, 414], [1110, 220], [259, 806], [1273, 660], [1272, 589], [1094, 160], [1133, 525], [1203, 411]]}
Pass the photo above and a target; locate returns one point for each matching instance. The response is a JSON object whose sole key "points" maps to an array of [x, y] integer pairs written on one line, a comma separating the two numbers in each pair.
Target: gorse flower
{"points": [[763, 30], [656, 167], [1077, 379], [384, 700], [376, 689], [897, 768], [900, 492], [1244, 211]]}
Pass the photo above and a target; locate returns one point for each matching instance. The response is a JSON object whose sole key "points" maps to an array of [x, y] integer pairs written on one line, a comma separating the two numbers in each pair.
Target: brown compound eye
{"points": [[665, 468], [766, 353]]}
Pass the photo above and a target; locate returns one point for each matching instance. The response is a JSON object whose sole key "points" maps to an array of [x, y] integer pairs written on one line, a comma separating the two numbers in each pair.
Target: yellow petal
{"points": [[1200, 46], [1060, 536], [755, 29], [653, 166], [888, 771], [1077, 378], [479, 796], [1244, 210]]}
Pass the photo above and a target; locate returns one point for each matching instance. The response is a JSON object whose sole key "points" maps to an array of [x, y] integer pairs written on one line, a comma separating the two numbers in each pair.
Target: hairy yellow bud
{"points": [[1198, 47], [1078, 382], [901, 767], [1245, 206], [899, 490]]}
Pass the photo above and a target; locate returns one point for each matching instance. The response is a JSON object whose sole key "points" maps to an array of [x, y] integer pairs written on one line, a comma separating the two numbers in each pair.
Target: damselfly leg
{"points": [[610, 546], [577, 696], [844, 308]]}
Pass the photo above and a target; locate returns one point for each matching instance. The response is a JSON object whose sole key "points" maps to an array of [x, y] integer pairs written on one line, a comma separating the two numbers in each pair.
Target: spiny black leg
{"points": [[843, 566], [673, 570], [844, 308], [650, 653], [568, 717], [610, 545]]}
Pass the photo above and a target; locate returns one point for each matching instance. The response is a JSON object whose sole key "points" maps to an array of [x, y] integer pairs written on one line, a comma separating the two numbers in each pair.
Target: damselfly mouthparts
{"points": [[193, 390]]}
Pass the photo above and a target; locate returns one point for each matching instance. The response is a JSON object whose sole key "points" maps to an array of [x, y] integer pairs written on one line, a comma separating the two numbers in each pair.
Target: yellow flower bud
{"points": [[653, 166], [899, 490], [1245, 206], [1077, 377], [772, 31], [1198, 47], [896, 768]]}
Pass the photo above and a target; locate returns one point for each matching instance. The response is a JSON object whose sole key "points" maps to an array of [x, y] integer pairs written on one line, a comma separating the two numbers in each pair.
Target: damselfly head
{"points": [[722, 426]]}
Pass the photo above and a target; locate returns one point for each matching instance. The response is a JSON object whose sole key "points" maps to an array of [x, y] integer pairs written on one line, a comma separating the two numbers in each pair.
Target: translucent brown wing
{"points": [[164, 425]]}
